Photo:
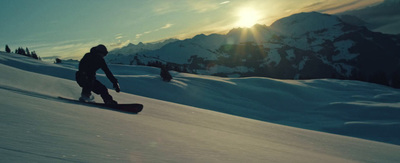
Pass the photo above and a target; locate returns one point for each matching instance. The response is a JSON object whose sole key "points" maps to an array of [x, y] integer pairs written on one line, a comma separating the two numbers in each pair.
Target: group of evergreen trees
{"points": [[169, 66], [24, 52]]}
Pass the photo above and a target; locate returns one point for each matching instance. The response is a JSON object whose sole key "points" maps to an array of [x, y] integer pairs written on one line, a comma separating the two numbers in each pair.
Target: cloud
{"points": [[139, 35], [341, 7], [165, 7], [333, 7], [119, 36], [75, 50], [118, 44], [202, 6], [67, 49], [225, 2], [166, 26]]}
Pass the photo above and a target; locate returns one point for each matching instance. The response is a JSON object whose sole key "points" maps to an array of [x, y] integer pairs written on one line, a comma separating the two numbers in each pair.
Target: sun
{"points": [[247, 17]]}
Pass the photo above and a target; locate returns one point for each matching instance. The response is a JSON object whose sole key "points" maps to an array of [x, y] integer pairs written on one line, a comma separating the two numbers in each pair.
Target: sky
{"points": [[69, 28]]}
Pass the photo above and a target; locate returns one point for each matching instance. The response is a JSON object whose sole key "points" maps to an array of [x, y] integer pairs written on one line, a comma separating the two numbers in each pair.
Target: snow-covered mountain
{"points": [[186, 121], [302, 46], [121, 55], [384, 17]]}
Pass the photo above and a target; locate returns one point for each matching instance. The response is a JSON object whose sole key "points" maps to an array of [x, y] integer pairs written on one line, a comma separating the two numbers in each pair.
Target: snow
{"points": [[344, 68], [300, 24], [224, 69], [273, 58], [343, 48], [195, 118], [140, 47], [290, 54], [303, 62], [308, 31], [172, 50]]}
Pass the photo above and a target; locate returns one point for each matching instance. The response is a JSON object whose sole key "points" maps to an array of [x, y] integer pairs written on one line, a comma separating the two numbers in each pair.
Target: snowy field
{"points": [[193, 118]]}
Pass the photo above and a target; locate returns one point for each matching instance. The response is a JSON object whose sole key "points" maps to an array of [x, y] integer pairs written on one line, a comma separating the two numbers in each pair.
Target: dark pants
{"points": [[90, 84]]}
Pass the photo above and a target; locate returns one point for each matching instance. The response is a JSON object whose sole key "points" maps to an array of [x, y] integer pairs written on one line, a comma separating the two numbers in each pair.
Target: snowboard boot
{"points": [[110, 102], [108, 99], [86, 98]]}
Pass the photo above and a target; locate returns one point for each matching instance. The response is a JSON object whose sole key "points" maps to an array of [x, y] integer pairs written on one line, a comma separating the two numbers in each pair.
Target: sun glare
{"points": [[247, 17]]}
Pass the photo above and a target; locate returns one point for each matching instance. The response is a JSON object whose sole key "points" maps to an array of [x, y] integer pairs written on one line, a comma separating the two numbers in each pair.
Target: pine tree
{"points": [[8, 49], [34, 55], [58, 60], [22, 51], [27, 52]]}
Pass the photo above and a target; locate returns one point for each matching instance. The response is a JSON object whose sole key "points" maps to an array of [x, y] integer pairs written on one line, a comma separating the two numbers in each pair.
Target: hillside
{"points": [[38, 127]]}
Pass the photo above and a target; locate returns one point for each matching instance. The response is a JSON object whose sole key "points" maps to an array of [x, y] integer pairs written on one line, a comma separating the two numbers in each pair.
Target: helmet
{"points": [[99, 49]]}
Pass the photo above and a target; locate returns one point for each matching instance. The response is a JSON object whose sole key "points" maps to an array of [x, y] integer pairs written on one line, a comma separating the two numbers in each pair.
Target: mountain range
{"points": [[308, 45]]}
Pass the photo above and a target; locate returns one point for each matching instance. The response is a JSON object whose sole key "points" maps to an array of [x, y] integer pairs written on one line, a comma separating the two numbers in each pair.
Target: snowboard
{"points": [[129, 108]]}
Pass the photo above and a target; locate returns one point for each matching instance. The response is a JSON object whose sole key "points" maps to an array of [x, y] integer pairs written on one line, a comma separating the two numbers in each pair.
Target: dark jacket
{"points": [[90, 63]]}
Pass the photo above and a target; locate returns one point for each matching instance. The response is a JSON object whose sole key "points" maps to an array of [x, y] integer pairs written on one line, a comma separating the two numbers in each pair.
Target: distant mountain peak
{"points": [[302, 23]]}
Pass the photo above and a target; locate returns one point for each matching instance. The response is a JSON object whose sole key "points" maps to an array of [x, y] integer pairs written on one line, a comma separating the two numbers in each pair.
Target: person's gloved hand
{"points": [[116, 87]]}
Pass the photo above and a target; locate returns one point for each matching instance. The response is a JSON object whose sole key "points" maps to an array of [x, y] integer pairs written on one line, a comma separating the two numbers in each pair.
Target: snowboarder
{"points": [[165, 75], [86, 76]]}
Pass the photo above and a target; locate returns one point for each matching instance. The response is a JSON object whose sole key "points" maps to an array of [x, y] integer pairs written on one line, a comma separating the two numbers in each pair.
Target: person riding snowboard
{"points": [[86, 76]]}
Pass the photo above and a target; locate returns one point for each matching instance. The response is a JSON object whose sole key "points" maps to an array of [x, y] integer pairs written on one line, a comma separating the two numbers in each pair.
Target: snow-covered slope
{"points": [[37, 127]]}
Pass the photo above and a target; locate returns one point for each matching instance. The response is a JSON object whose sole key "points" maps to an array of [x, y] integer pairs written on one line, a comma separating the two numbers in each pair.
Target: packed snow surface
{"points": [[192, 119]]}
